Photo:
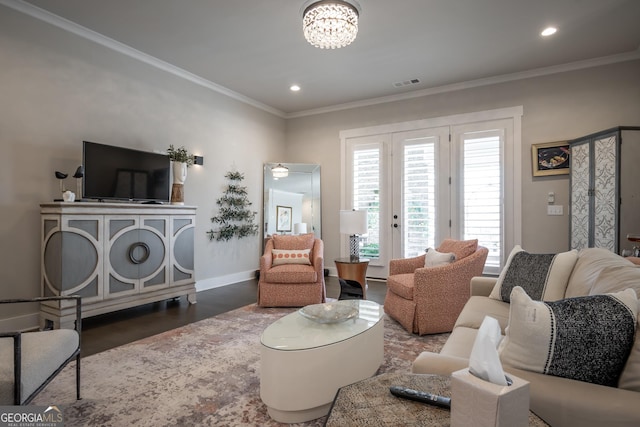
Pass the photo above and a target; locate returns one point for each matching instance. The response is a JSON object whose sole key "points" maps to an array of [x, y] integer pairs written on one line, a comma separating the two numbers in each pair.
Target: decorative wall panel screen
{"points": [[580, 165], [605, 197]]}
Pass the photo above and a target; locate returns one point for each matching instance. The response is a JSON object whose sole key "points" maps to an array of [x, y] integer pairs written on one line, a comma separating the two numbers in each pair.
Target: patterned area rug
{"points": [[203, 374]]}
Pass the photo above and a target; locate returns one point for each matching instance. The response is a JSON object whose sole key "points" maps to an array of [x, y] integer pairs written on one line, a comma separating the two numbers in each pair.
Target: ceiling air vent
{"points": [[406, 83]]}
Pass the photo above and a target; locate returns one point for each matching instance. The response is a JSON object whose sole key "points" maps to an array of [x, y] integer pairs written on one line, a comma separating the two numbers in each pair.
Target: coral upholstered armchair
{"points": [[428, 300], [292, 271]]}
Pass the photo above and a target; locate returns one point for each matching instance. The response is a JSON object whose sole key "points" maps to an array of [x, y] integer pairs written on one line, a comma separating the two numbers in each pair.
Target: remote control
{"points": [[421, 396]]}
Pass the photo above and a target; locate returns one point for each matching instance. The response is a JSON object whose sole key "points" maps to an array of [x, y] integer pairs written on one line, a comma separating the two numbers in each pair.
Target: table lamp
{"points": [[353, 223], [300, 228]]}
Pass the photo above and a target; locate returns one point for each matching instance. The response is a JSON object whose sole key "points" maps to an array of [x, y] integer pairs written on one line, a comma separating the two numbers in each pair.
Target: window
{"points": [[366, 195], [419, 195], [482, 192], [456, 176]]}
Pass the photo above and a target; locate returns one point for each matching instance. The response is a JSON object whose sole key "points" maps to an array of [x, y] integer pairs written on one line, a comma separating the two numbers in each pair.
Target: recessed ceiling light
{"points": [[294, 88], [548, 31]]}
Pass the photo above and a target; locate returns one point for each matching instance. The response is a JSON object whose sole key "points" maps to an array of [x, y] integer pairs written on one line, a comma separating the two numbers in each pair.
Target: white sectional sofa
{"points": [[560, 401]]}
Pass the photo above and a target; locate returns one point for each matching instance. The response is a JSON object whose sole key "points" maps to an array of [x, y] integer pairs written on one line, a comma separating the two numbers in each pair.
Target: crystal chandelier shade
{"points": [[330, 24], [280, 171]]}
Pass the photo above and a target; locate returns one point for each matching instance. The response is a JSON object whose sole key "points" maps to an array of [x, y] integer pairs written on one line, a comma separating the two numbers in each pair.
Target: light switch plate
{"points": [[555, 210]]}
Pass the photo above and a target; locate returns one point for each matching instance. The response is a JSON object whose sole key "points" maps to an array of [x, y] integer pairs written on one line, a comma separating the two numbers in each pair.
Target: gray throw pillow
{"points": [[544, 277], [584, 338]]}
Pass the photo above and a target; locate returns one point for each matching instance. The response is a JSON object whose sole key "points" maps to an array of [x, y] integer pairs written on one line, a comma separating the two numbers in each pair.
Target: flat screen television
{"points": [[118, 173]]}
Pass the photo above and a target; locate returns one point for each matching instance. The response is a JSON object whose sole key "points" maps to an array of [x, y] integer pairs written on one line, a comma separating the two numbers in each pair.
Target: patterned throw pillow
{"points": [[434, 258], [584, 338], [544, 277], [290, 256]]}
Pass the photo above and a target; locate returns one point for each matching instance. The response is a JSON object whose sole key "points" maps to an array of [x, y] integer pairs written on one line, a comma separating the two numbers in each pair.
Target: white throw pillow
{"points": [[591, 262], [543, 276], [614, 278], [584, 338], [434, 258]]}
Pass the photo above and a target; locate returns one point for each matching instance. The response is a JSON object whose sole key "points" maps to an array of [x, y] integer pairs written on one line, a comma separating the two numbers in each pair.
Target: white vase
{"points": [[179, 172], [179, 177]]}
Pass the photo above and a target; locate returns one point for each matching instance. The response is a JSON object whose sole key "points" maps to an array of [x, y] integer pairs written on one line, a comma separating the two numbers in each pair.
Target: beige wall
{"points": [[556, 107], [57, 89]]}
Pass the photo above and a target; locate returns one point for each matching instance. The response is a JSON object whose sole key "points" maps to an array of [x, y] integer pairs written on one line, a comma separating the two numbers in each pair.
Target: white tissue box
{"points": [[479, 403]]}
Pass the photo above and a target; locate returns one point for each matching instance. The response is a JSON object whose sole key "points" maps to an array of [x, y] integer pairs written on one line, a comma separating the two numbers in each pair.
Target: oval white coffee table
{"points": [[304, 363]]}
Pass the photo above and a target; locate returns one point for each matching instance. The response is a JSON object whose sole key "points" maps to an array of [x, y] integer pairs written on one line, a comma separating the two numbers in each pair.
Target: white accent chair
{"points": [[30, 360]]}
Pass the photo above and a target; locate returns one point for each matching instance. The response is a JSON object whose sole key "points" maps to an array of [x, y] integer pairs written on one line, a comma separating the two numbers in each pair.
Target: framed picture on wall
{"points": [[283, 218], [550, 158]]}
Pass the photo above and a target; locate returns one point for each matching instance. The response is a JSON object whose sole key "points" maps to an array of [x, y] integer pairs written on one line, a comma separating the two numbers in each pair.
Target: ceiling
{"points": [[255, 50]]}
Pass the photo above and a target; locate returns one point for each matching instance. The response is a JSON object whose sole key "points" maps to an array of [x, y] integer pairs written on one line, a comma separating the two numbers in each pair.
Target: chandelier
{"points": [[280, 171], [330, 24]]}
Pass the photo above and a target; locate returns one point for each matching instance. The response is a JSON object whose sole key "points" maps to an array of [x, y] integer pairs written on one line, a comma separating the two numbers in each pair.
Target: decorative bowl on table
{"points": [[330, 312]]}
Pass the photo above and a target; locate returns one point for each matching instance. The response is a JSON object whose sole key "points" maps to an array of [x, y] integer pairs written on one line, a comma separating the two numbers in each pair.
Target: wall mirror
{"points": [[292, 202]]}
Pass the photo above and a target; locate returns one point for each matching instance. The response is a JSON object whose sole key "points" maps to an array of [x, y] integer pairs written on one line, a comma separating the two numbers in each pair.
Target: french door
{"points": [[423, 185], [420, 206], [401, 179]]}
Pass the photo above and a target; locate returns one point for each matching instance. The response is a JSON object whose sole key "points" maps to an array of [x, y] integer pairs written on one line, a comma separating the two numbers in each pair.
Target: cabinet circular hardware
{"points": [[395, 225], [132, 250]]}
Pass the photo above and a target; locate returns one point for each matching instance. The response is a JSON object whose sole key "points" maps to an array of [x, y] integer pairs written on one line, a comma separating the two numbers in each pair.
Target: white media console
{"points": [[115, 255]]}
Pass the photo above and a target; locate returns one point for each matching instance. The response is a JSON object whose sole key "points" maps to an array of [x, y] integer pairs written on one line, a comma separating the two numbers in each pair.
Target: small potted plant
{"points": [[181, 161], [180, 155]]}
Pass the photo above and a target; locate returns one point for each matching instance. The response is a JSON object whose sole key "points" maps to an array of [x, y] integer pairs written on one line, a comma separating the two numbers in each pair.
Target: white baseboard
{"points": [[217, 282], [20, 323], [32, 320]]}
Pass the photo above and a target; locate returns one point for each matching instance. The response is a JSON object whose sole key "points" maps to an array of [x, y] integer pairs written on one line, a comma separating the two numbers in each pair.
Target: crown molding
{"points": [[110, 43], [538, 72], [79, 30]]}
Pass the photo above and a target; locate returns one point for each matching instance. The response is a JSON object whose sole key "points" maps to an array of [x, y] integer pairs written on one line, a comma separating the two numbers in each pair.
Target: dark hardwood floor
{"points": [[110, 330]]}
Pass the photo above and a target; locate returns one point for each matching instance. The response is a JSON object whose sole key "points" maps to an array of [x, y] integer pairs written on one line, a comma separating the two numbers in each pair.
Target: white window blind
{"points": [[419, 194], [482, 192], [366, 195], [472, 191]]}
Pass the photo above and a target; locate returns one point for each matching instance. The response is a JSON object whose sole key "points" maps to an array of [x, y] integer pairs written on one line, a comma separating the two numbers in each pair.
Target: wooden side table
{"points": [[355, 270]]}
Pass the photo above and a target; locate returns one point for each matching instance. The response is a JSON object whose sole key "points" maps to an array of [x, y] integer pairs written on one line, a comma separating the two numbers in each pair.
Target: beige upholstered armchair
{"points": [[292, 272], [30, 360], [428, 300]]}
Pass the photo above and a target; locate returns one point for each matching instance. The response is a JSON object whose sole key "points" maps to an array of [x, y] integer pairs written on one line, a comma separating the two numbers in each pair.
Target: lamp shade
{"points": [[353, 222], [300, 228]]}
